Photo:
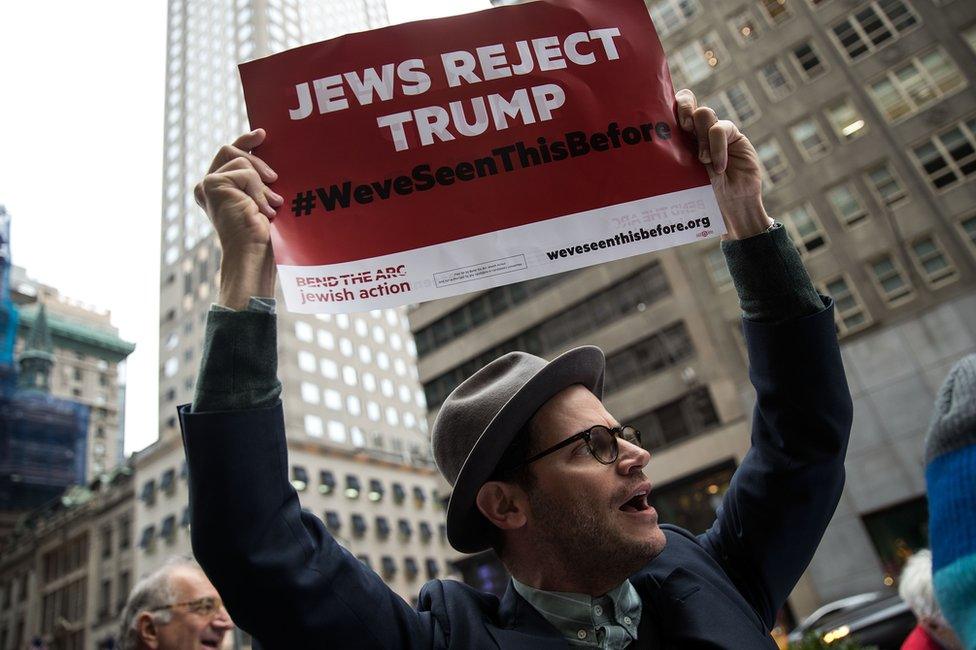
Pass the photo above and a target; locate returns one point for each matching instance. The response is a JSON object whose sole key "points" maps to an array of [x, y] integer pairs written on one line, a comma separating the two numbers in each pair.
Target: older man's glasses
{"points": [[601, 441], [207, 607]]}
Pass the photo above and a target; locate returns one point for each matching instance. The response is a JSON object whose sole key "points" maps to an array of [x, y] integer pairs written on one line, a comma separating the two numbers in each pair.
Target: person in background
{"points": [[174, 608], [950, 476], [915, 588]]}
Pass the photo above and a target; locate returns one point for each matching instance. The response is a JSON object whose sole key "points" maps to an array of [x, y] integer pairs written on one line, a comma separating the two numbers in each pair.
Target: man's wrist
{"points": [[745, 219], [245, 275]]}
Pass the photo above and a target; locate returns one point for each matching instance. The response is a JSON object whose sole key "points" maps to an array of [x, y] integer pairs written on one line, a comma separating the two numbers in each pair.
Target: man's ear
{"points": [[146, 630], [503, 504]]}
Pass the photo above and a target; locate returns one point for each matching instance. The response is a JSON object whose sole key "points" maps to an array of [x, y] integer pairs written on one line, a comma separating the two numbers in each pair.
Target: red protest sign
{"points": [[443, 156]]}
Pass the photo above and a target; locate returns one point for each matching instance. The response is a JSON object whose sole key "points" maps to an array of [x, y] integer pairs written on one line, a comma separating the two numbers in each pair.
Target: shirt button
{"points": [[581, 634], [627, 620], [598, 610]]}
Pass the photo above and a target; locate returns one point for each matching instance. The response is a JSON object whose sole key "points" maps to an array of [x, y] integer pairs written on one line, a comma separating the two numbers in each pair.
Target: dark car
{"points": [[880, 619]]}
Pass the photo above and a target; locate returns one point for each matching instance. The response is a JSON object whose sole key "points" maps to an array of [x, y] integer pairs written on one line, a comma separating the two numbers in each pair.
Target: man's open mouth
{"points": [[210, 643], [637, 501]]}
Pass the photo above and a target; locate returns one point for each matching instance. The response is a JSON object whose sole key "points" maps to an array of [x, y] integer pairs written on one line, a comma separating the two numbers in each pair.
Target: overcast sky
{"points": [[81, 108]]}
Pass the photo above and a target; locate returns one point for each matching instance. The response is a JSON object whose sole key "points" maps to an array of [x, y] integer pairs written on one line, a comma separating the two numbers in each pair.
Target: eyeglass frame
{"points": [[196, 602], [586, 436]]}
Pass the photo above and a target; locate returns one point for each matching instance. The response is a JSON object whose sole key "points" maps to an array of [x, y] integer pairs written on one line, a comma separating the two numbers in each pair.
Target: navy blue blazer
{"points": [[286, 581]]}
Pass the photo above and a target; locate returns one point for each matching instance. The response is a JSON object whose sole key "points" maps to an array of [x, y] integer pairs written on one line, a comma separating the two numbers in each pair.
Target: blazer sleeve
{"points": [[283, 577], [784, 493]]}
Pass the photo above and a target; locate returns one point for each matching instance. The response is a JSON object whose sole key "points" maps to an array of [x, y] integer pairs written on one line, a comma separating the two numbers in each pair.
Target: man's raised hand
{"points": [[732, 164], [240, 205]]}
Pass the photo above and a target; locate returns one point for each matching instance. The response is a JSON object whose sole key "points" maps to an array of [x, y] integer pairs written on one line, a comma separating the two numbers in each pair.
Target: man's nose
{"points": [[222, 620], [631, 458]]}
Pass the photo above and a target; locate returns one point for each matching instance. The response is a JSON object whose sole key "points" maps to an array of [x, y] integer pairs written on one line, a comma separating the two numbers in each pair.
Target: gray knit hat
{"points": [[953, 423]]}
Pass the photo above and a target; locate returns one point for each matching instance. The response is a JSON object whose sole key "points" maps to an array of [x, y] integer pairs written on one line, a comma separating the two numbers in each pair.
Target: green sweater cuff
{"points": [[772, 284], [239, 367]]}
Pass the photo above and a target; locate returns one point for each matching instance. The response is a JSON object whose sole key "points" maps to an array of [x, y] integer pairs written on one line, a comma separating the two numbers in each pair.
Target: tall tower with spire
{"points": [[37, 359]]}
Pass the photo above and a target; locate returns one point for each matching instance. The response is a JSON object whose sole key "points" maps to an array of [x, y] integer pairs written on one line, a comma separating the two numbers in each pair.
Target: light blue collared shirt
{"points": [[608, 622]]}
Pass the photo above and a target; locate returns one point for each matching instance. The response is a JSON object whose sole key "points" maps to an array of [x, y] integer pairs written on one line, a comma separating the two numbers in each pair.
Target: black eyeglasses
{"points": [[601, 441]]}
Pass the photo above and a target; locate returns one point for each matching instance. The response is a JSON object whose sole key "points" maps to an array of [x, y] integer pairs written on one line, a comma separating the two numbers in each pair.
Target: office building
{"points": [[353, 406], [864, 119]]}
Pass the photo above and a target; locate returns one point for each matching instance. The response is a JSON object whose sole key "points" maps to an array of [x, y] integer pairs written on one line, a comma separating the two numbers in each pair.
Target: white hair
{"points": [[915, 586], [150, 593]]}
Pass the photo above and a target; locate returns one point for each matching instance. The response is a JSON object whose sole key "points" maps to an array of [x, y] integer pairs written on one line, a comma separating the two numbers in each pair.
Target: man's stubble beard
{"points": [[587, 542]]}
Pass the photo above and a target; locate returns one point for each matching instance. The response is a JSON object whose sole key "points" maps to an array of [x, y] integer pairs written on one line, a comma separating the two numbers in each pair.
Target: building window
{"points": [[410, 568], [306, 361], [303, 332], [774, 165], [810, 139], [147, 541], [405, 529], [898, 532], [776, 11], [916, 84], [873, 26], [167, 483], [886, 185], [932, 261], [679, 420], [336, 431], [425, 531], [671, 15], [352, 487], [697, 60], [148, 494], [650, 355], [358, 526], [382, 527], [310, 393], [692, 502], [332, 521], [735, 104], [314, 426], [106, 542], [419, 496], [849, 313], [808, 61], [333, 399], [744, 26], [399, 494], [805, 229], [950, 156], [777, 82], [432, 569], [718, 268], [388, 567], [299, 478], [968, 227], [168, 530], [890, 280], [376, 490], [846, 204], [327, 482], [845, 120]]}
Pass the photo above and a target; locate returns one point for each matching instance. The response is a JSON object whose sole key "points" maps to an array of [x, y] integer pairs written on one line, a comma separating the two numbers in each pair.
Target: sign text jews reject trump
{"points": [[444, 156]]}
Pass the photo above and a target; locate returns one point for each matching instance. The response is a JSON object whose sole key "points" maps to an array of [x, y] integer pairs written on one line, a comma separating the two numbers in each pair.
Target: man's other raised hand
{"points": [[732, 165], [240, 205]]}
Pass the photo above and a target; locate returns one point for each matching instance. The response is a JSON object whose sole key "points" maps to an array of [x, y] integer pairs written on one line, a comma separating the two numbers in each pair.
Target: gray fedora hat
{"points": [[480, 418]]}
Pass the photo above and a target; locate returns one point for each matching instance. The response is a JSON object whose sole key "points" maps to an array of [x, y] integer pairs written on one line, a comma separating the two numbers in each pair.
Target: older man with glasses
{"points": [[540, 470], [174, 608]]}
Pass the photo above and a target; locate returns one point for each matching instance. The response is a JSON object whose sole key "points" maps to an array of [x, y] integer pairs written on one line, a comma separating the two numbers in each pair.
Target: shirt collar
{"points": [[608, 621]]}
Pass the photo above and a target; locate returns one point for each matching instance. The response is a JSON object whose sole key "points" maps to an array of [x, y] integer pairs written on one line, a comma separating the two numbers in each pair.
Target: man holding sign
{"points": [[540, 470]]}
